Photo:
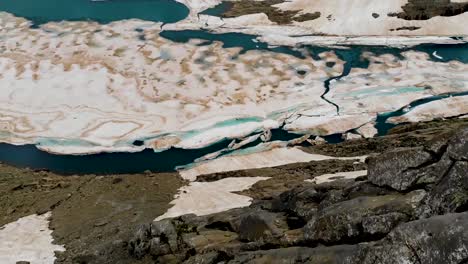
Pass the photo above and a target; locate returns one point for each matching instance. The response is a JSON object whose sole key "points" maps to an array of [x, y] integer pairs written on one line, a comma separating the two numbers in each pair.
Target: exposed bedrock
{"points": [[410, 208], [275, 14], [424, 10]]}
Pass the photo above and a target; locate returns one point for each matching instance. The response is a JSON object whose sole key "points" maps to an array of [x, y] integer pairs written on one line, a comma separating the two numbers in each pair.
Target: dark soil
{"points": [[91, 215], [247, 7], [424, 10]]}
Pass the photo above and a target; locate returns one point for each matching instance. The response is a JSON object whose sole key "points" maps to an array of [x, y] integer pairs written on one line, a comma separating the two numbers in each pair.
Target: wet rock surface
{"points": [[410, 208]]}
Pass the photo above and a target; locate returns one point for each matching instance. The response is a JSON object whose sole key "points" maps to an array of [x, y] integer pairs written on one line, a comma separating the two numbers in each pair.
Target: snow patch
{"points": [[203, 198], [28, 239]]}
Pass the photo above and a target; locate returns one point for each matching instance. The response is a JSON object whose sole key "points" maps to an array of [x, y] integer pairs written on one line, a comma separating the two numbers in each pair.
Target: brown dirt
{"points": [[426, 9], [91, 215], [247, 7]]}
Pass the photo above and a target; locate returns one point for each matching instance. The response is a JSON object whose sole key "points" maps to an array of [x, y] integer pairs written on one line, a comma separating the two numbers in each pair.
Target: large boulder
{"points": [[323, 255], [406, 169], [301, 202], [261, 226], [395, 168], [436, 240], [451, 194], [359, 218], [458, 146]]}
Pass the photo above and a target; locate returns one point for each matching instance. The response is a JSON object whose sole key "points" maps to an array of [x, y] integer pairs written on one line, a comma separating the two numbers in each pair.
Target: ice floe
{"points": [[443, 108]]}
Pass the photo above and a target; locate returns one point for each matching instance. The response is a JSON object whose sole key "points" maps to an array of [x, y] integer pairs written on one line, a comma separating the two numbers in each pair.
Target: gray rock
{"points": [[140, 244], [364, 188], [163, 227], [157, 247], [345, 221], [204, 241], [324, 255], [168, 259], [432, 173], [395, 168], [406, 168], [451, 194], [458, 146], [207, 258], [302, 202], [332, 197], [261, 226], [382, 224], [166, 231], [439, 239]]}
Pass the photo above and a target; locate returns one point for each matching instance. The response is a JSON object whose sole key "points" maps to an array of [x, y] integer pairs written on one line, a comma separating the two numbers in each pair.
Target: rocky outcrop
{"points": [[325, 255], [424, 10], [438, 239], [274, 14], [410, 208], [361, 217], [440, 166]]}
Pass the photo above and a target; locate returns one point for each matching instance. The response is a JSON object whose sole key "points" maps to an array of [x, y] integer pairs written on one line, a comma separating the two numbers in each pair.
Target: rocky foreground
{"points": [[410, 208]]}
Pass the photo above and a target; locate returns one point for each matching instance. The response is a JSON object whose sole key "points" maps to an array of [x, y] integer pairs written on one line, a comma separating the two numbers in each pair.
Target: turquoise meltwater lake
{"points": [[40, 12]]}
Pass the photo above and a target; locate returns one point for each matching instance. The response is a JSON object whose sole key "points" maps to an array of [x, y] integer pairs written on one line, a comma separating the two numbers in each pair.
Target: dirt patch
{"points": [[247, 7], [91, 215], [426, 9], [405, 28]]}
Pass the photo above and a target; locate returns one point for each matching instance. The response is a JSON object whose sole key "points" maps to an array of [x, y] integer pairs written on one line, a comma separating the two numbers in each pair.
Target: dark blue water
{"points": [[116, 163], [448, 52], [43, 11], [103, 163], [230, 40], [218, 9], [381, 122]]}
